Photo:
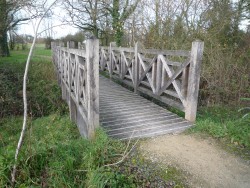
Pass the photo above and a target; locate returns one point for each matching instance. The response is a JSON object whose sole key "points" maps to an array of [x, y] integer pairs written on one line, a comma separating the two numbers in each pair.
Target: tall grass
{"points": [[54, 155], [42, 89]]}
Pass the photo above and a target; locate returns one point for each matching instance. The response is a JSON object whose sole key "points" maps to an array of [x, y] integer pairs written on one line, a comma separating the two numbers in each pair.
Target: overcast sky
{"points": [[56, 20]]}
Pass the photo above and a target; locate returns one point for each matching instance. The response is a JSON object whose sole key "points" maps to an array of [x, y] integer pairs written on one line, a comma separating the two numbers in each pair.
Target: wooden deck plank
{"points": [[129, 127], [124, 114]]}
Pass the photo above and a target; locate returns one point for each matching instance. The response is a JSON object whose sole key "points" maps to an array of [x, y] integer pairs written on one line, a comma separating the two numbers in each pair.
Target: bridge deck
{"points": [[123, 114]]}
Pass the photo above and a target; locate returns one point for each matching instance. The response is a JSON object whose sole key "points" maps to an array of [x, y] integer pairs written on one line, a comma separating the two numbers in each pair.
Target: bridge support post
{"points": [[71, 102], [63, 71], [110, 61], [194, 80], [136, 69], [92, 65]]}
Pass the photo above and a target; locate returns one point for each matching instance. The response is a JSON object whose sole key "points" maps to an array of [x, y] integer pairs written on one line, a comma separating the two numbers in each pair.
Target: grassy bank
{"points": [[227, 125], [53, 153], [42, 89]]}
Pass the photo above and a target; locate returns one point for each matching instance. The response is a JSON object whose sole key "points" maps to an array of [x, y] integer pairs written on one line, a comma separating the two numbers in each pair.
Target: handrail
{"points": [[171, 76], [78, 75]]}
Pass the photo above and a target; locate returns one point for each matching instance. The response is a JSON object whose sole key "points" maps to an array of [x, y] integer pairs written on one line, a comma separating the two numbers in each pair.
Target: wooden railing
{"points": [[171, 76], [78, 75]]}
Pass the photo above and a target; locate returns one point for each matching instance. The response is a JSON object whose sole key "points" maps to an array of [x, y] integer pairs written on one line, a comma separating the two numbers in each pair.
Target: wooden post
{"points": [[92, 84], [110, 61], [103, 61], [154, 74], [63, 78], [158, 76], [194, 80], [79, 46], [61, 44], [184, 84], [59, 65], [136, 68], [72, 44], [122, 64], [72, 104], [68, 70]]}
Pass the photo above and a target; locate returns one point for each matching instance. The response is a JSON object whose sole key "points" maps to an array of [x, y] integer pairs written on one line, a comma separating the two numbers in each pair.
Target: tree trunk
{"points": [[4, 48], [11, 40]]}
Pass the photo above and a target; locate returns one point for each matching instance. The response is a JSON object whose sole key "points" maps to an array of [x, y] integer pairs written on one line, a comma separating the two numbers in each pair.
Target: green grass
{"points": [[53, 153], [225, 124], [52, 150], [42, 89], [20, 56]]}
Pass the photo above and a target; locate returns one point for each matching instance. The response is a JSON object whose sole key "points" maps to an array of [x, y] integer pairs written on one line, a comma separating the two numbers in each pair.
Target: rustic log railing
{"points": [[170, 76], [78, 75]]}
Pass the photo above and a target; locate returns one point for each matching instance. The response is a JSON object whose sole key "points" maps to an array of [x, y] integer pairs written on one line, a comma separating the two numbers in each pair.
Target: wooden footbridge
{"points": [[171, 77]]}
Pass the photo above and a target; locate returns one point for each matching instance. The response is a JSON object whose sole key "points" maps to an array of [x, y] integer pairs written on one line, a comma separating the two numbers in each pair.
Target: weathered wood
{"points": [[125, 115], [92, 62], [158, 76], [80, 83], [184, 78], [166, 52], [110, 61], [122, 64], [150, 72], [118, 49], [154, 73], [148, 75], [194, 80], [142, 76], [173, 77], [127, 67], [72, 44], [136, 68], [102, 59]]}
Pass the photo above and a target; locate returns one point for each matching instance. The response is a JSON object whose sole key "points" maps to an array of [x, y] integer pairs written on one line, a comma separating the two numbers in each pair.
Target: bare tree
{"points": [[85, 15], [101, 16], [11, 15]]}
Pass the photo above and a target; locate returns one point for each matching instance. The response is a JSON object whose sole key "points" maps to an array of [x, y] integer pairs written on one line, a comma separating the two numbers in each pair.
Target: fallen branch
{"points": [[125, 154]]}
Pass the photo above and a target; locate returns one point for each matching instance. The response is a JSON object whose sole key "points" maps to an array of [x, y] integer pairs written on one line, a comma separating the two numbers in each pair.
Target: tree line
{"points": [[171, 24], [163, 24]]}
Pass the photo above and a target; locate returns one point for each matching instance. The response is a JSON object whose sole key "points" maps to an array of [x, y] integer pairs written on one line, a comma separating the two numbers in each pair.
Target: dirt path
{"points": [[204, 163]]}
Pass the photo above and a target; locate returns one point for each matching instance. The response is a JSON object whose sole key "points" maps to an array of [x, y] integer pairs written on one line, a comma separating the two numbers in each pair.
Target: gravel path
{"points": [[205, 164]]}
